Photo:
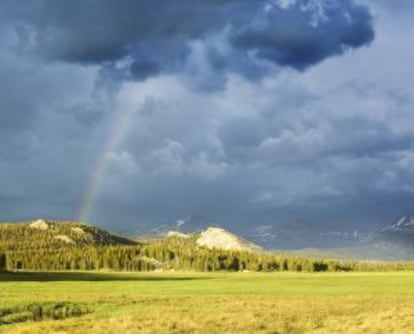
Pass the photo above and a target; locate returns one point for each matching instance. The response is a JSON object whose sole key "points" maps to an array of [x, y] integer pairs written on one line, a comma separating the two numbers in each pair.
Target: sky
{"points": [[124, 113]]}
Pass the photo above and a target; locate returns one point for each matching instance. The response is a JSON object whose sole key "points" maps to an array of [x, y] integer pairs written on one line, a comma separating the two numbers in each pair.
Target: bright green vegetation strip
{"points": [[208, 302], [88, 302]]}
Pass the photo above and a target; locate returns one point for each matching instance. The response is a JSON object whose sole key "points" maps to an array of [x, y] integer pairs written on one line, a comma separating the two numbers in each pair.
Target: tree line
{"points": [[174, 254]]}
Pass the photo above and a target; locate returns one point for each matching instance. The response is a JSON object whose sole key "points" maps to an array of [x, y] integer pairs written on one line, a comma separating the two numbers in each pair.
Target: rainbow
{"points": [[115, 138]]}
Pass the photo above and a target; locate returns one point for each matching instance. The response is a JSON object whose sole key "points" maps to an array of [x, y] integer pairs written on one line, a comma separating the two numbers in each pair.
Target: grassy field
{"points": [[207, 303]]}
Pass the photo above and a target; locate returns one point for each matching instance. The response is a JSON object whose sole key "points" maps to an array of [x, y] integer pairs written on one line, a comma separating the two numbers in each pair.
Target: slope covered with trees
{"points": [[41, 234]]}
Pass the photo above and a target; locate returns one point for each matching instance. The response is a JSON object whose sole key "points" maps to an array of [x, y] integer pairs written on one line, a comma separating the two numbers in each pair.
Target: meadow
{"points": [[176, 302]]}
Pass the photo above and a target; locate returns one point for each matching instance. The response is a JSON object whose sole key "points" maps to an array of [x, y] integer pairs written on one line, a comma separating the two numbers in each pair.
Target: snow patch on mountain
{"points": [[405, 224]]}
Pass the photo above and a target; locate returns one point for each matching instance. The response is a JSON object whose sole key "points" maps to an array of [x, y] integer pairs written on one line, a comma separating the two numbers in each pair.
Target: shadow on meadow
{"points": [[90, 276]]}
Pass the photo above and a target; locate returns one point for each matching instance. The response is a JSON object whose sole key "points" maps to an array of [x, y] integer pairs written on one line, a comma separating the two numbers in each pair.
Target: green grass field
{"points": [[207, 303]]}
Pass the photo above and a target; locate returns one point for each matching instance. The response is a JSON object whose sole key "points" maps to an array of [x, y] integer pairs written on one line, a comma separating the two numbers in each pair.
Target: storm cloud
{"points": [[160, 35], [245, 112]]}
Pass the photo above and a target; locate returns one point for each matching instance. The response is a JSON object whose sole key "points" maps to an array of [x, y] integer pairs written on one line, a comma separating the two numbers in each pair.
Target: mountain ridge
{"points": [[404, 224]]}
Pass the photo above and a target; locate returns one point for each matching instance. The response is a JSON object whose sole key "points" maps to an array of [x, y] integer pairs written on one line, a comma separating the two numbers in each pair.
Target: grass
{"points": [[207, 302]]}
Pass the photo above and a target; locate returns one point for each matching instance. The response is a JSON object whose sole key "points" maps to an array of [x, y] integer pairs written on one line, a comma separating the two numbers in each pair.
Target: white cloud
{"points": [[123, 161], [168, 159], [202, 166]]}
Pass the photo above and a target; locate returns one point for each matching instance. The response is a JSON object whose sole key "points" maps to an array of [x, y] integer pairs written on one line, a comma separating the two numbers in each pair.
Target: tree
{"points": [[2, 261]]}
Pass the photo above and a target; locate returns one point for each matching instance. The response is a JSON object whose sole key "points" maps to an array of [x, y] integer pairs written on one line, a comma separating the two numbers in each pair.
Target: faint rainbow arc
{"points": [[115, 138]]}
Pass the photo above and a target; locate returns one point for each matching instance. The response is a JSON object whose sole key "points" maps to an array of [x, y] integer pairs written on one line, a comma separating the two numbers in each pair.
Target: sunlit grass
{"points": [[217, 302]]}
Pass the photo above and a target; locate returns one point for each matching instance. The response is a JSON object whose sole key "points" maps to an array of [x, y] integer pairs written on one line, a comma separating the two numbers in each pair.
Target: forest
{"points": [[89, 248]]}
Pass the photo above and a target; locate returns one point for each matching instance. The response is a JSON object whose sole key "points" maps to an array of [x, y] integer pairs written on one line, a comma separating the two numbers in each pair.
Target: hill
{"points": [[42, 233]]}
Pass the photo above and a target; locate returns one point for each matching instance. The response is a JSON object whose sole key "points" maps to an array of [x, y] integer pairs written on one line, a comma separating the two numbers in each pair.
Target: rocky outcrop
{"points": [[219, 238]]}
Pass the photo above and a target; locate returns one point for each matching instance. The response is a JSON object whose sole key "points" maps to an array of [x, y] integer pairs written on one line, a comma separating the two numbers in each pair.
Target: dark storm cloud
{"points": [[144, 69], [157, 34], [303, 33]]}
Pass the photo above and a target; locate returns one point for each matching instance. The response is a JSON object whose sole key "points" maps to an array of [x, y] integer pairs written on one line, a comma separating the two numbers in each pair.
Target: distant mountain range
{"points": [[298, 234], [292, 235], [190, 224], [394, 241], [398, 234]]}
